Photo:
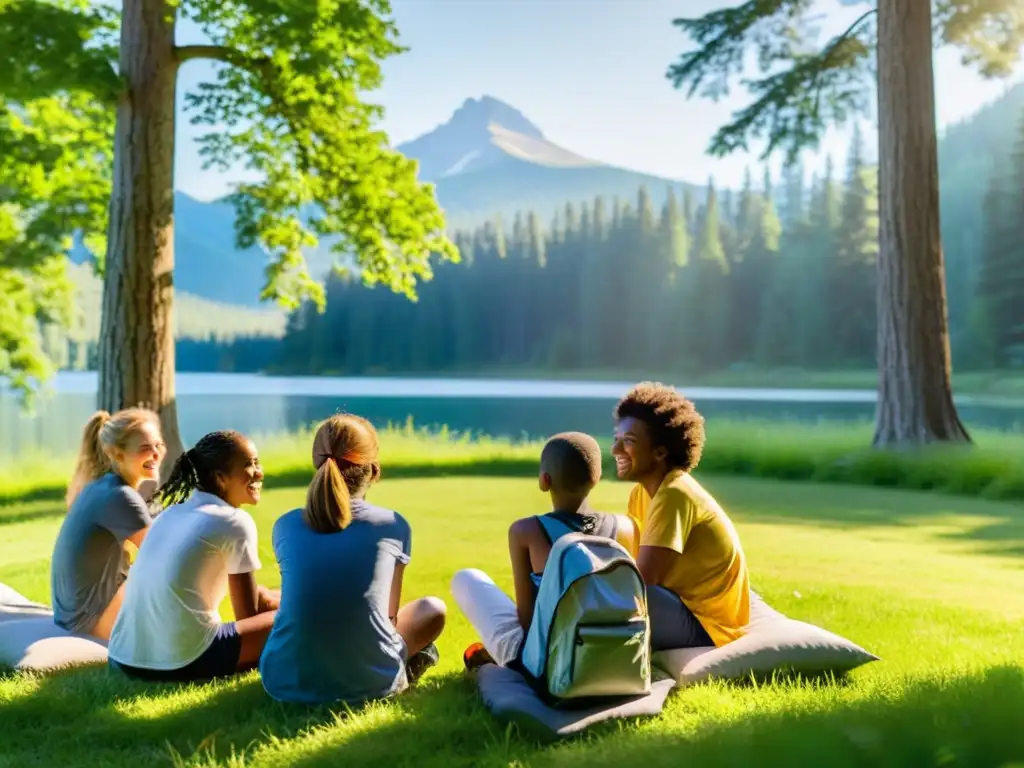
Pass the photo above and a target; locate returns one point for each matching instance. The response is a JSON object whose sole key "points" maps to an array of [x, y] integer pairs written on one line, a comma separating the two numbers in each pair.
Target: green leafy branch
{"points": [[290, 97], [791, 108]]}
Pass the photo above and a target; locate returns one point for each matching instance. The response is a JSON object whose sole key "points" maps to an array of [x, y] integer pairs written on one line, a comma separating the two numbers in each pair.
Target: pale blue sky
{"points": [[589, 73]]}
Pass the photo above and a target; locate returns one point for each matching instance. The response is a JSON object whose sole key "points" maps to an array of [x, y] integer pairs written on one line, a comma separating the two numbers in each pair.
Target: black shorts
{"points": [[219, 660]]}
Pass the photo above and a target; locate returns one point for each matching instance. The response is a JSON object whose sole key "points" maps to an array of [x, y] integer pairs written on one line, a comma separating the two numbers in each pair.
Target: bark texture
{"points": [[915, 400], [136, 362]]}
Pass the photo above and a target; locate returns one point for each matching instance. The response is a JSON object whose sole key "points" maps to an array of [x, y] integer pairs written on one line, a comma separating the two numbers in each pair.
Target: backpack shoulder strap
{"points": [[607, 525], [555, 526]]}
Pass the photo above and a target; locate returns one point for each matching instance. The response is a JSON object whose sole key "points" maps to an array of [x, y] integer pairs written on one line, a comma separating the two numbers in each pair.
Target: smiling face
{"points": [[243, 483], [636, 456], [140, 458]]}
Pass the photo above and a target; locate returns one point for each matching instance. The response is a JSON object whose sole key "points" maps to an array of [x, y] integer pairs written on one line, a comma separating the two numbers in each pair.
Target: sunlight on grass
{"points": [[914, 577]]}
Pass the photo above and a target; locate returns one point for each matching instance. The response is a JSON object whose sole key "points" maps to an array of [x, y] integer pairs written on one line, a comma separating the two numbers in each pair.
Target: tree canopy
{"points": [[286, 101], [802, 87]]}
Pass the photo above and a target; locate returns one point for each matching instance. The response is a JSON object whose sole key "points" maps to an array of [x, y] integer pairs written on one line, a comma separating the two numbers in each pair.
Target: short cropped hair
{"points": [[673, 421], [573, 462]]}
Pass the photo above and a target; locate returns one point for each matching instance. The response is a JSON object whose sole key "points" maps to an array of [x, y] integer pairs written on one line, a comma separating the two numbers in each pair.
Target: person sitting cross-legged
{"points": [[689, 551], [201, 547], [120, 453], [570, 467], [342, 634]]}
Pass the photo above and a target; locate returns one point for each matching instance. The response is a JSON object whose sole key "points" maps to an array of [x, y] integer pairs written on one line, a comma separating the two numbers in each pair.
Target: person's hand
{"points": [[268, 600]]}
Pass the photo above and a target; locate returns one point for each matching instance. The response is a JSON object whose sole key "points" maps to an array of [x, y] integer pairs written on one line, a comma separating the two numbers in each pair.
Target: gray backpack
{"points": [[590, 634]]}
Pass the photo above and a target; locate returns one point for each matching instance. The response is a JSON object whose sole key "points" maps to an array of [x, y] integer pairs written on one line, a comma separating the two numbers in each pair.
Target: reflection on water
{"points": [[260, 405]]}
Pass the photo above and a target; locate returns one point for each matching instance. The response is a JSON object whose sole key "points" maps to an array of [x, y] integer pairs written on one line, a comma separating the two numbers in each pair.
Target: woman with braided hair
{"points": [[340, 635], [200, 548]]}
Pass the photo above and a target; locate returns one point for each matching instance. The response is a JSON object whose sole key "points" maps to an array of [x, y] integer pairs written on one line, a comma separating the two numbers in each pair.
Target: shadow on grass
{"points": [[970, 721], [37, 511], [94, 717], [99, 717]]}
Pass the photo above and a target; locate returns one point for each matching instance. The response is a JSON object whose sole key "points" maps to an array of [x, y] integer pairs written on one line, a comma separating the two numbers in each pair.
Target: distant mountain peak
{"points": [[483, 113], [483, 133]]}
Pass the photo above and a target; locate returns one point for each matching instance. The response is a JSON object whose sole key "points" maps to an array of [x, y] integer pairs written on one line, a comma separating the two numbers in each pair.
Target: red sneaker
{"points": [[476, 656]]}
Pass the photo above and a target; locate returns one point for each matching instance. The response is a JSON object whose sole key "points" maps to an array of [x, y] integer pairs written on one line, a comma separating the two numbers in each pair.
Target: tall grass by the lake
{"points": [[828, 452]]}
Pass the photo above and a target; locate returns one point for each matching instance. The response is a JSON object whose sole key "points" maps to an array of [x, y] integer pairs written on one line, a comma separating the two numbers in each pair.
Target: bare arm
{"points": [[395, 601], [627, 535], [655, 563], [519, 554], [137, 537], [245, 597]]}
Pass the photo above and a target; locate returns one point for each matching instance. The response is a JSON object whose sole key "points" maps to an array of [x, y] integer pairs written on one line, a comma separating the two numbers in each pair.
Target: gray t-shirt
{"points": [[89, 562]]}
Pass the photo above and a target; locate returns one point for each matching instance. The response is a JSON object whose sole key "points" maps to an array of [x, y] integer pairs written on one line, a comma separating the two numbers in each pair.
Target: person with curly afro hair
{"points": [[689, 552]]}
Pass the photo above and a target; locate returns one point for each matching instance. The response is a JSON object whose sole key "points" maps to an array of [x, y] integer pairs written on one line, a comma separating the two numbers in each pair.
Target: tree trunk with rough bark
{"points": [[915, 400], [136, 360]]}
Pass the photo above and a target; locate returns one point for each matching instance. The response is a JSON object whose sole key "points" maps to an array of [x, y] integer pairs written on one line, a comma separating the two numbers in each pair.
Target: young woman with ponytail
{"points": [[340, 635], [105, 509], [201, 547]]}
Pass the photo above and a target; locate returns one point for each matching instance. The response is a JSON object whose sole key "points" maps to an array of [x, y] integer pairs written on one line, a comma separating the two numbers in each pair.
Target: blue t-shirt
{"points": [[332, 639]]}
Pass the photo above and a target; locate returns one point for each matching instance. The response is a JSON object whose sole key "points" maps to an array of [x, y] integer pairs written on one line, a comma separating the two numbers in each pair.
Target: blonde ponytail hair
{"points": [[103, 434], [346, 457]]}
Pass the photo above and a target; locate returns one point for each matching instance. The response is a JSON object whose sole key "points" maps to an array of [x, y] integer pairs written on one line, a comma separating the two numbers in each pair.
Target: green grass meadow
{"points": [[933, 583]]}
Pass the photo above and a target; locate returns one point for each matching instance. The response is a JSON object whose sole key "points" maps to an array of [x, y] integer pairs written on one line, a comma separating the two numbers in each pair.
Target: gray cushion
{"points": [[13, 601], [773, 643], [39, 645], [29, 640], [509, 697]]}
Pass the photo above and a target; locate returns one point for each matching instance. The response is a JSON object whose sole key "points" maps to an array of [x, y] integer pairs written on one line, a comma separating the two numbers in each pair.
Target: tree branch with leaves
{"points": [[285, 103], [801, 88]]}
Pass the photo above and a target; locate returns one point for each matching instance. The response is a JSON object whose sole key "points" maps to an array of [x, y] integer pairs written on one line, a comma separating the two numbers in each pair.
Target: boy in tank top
{"points": [[570, 467]]}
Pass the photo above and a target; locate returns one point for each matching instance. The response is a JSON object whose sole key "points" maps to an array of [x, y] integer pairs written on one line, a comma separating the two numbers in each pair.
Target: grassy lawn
{"points": [[932, 583]]}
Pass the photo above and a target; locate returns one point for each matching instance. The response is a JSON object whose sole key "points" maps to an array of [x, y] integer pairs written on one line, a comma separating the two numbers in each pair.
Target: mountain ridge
{"points": [[488, 159]]}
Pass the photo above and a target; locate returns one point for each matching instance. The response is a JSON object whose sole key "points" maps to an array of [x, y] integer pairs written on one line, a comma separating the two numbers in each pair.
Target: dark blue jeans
{"points": [[673, 625]]}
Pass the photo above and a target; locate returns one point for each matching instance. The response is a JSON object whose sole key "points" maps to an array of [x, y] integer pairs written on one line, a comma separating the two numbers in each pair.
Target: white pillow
{"points": [[37, 644], [12, 600], [772, 643]]}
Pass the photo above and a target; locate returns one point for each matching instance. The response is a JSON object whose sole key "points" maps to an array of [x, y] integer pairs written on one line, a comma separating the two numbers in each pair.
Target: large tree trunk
{"points": [[136, 365], [915, 400]]}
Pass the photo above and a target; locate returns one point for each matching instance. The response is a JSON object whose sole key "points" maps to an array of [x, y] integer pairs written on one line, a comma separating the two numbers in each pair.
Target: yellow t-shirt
{"points": [[711, 576]]}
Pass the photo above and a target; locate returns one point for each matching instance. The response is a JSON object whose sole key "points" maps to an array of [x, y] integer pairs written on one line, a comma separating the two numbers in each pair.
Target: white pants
{"points": [[491, 612]]}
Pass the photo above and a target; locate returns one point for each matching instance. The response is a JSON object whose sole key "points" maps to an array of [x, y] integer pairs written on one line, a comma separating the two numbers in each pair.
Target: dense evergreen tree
{"points": [[997, 318], [852, 278], [798, 92], [627, 287], [613, 287]]}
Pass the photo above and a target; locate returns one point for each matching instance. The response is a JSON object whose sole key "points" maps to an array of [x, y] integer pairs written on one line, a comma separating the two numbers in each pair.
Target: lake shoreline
{"points": [[513, 408], [439, 386], [996, 387], [1009, 384]]}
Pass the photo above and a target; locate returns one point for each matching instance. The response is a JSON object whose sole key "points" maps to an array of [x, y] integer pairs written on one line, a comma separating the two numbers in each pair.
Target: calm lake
{"points": [[265, 404]]}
